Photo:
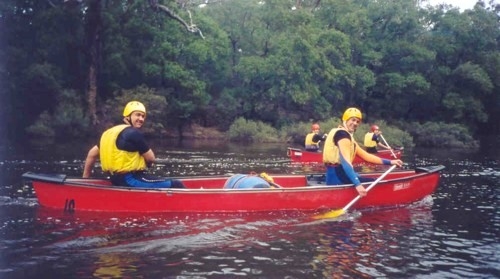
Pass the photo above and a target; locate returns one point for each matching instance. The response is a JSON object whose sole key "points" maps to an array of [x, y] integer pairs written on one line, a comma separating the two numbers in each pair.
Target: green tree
{"points": [[278, 61], [466, 45]]}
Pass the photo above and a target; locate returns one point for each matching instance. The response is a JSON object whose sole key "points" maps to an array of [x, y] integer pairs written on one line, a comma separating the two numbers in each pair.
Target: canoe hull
{"points": [[205, 194], [301, 156]]}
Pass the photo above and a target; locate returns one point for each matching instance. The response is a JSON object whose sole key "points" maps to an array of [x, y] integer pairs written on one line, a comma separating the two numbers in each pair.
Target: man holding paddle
{"points": [[341, 148], [372, 140], [311, 143]]}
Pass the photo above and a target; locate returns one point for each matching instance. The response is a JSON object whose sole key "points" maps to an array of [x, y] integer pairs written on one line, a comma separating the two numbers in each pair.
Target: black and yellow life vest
{"points": [[331, 152], [114, 160], [369, 142], [309, 141]]}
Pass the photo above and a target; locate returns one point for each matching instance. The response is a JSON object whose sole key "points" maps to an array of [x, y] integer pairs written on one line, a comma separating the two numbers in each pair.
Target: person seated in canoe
{"points": [[125, 155], [341, 148], [313, 139], [372, 140]]}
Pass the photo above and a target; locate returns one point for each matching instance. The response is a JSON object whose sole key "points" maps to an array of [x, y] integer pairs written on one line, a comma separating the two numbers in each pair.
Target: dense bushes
{"points": [[252, 131], [156, 107], [439, 134], [257, 60], [425, 135], [69, 121]]}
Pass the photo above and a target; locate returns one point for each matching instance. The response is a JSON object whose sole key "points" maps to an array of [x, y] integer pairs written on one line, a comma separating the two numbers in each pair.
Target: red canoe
{"points": [[211, 194], [301, 156]]}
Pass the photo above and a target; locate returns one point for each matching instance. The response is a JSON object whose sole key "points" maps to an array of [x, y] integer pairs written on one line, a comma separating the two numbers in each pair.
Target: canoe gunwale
{"points": [[298, 155], [208, 195], [87, 182]]}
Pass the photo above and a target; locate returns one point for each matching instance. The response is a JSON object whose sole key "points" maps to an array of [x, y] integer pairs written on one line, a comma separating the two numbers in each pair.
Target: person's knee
{"points": [[177, 184]]}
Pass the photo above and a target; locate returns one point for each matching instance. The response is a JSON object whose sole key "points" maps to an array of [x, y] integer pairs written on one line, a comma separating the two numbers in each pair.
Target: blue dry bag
{"points": [[244, 181]]}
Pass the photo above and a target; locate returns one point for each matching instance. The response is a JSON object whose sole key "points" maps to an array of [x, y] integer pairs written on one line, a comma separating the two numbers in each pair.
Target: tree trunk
{"points": [[92, 94], [93, 46]]}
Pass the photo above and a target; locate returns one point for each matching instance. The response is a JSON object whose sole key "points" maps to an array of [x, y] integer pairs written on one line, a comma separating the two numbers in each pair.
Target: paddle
{"points": [[336, 213], [386, 144], [269, 179], [55, 178]]}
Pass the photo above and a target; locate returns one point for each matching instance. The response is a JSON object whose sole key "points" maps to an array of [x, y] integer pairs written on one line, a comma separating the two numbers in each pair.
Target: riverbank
{"points": [[196, 131]]}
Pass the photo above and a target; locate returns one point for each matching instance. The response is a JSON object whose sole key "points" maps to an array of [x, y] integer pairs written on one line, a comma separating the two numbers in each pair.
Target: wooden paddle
{"points": [[386, 144], [336, 213]]}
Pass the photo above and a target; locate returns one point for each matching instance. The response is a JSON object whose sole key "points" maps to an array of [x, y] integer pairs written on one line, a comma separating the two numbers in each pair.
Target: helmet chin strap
{"points": [[344, 123], [127, 120]]}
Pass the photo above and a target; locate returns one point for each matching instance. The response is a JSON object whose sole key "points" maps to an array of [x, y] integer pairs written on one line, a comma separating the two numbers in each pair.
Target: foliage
{"points": [[66, 122], [42, 81], [156, 118], [441, 135], [395, 137], [42, 127], [296, 132], [251, 131], [69, 116], [226, 107], [272, 62]]}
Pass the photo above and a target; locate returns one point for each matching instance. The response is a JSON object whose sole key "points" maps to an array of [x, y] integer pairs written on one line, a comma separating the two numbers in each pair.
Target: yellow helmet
{"points": [[352, 112], [133, 106]]}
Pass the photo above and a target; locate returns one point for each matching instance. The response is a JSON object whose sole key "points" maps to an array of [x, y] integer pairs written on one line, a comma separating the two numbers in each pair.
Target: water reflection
{"points": [[120, 232], [359, 245], [452, 234], [375, 244], [182, 242], [114, 266]]}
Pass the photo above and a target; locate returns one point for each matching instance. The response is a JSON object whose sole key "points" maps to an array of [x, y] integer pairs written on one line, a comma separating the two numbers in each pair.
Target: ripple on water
{"points": [[453, 234]]}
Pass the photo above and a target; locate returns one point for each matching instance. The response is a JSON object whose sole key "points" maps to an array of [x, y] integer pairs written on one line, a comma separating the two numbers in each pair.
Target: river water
{"points": [[451, 234]]}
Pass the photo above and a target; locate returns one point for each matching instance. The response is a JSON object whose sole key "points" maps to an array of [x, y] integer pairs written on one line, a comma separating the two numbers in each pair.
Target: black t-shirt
{"points": [[375, 137], [340, 134], [318, 137], [131, 139]]}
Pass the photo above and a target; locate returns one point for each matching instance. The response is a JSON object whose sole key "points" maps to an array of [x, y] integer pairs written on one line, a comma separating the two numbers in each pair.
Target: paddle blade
{"points": [[330, 214]]}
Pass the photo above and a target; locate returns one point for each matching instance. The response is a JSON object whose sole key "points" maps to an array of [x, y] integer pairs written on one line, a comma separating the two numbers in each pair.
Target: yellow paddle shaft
{"points": [[336, 213]]}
